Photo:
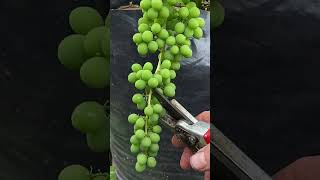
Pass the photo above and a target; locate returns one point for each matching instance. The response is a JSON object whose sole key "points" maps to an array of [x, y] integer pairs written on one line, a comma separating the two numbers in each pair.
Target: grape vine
{"points": [[166, 28]]}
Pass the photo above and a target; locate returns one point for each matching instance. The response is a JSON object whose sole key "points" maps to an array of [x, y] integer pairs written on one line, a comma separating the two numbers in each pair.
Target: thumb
{"points": [[201, 160]]}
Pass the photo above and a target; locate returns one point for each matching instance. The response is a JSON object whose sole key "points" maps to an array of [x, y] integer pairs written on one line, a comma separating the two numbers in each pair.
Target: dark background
{"points": [[266, 80], [38, 94]]}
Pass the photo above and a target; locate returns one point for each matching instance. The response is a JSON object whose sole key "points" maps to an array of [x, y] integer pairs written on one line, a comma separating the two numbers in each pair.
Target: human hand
{"points": [[199, 161]]}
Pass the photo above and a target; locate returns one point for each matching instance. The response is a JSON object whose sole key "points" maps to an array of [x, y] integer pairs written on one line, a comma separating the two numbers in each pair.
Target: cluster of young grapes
{"points": [[167, 27], [88, 51]]}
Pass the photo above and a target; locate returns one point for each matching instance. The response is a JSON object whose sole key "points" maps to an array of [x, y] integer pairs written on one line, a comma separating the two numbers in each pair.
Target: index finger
{"points": [[204, 116]]}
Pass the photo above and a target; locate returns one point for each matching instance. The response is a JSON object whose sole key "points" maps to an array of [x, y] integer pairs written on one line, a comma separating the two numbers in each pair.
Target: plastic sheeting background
{"points": [[193, 91], [266, 85]]}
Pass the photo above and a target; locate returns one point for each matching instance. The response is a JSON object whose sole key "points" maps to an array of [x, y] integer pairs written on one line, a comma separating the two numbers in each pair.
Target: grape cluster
{"points": [[166, 27]]}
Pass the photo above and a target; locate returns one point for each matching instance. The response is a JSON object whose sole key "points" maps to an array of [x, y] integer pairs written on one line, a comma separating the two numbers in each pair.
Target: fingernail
{"points": [[198, 161]]}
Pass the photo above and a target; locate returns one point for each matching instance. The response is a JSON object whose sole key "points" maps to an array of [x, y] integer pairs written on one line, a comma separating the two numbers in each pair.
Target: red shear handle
{"points": [[206, 136]]}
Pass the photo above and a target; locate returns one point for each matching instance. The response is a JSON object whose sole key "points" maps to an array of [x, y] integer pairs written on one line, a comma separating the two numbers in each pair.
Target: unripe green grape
{"points": [[160, 21], [184, 12], [83, 19], [166, 64], [156, 28], [172, 72], [163, 113], [140, 122], [143, 148], [137, 38], [132, 118], [179, 27], [163, 34], [141, 105], [153, 46], [198, 33], [140, 84], [134, 148], [193, 23], [164, 12], [160, 43], [169, 91], [154, 118], [201, 22], [157, 129], [191, 5], [175, 66], [173, 85], [138, 74], [152, 14], [153, 82], [185, 1], [178, 58], [165, 73], [142, 158], [95, 72], [171, 41], [132, 77], [148, 110], [140, 168], [136, 67], [145, 4], [98, 141], [157, 108], [153, 154], [143, 27], [148, 66], [158, 77], [146, 75], [157, 4], [172, 2], [171, 24], [194, 12], [186, 51], [168, 55], [155, 138], [188, 32], [154, 147], [93, 41], [174, 50], [142, 49], [134, 140], [154, 100], [166, 81], [74, 172], [139, 134], [180, 38], [151, 162], [147, 36], [146, 142], [187, 42]]}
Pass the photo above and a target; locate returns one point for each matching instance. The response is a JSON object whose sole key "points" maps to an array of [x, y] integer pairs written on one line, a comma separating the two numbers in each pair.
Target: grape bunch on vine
{"points": [[166, 28], [87, 50]]}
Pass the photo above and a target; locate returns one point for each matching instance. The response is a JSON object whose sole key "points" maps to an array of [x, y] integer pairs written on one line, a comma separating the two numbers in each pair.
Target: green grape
{"points": [[153, 154], [88, 117], [163, 113], [158, 77], [136, 67], [134, 140], [191, 5], [95, 72], [153, 46], [174, 50], [71, 52], [141, 105], [201, 22], [178, 58], [143, 27], [194, 12], [140, 84], [99, 140], [142, 158], [186, 51], [83, 19], [163, 34], [151, 162], [167, 80], [166, 64], [169, 91], [147, 36], [157, 129], [137, 98], [134, 148], [148, 66], [140, 123], [146, 142], [184, 12], [168, 55], [148, 111], [157, 4], [193, 23], [154, 118], [175, 66], [171, 84], [139, 134], [179, 27], [153, 82], [171, 41], [146, 75], [93, 41], [145, 4], [172, 2], [142, 48], [105, 43], [138, 74], [143, 149], [180, 38], [156, 28], [155, 138], [172, 72], [217, 18], [164, 12], [74, 172], [152, 14], [160, 21], [137, 38], [185, 1], [132, 78], [188, 32], [160, 43], [187, 42], [132, 118], [198, 33], [165, 73], [154, 147], [140, 168], [157, 108]]}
